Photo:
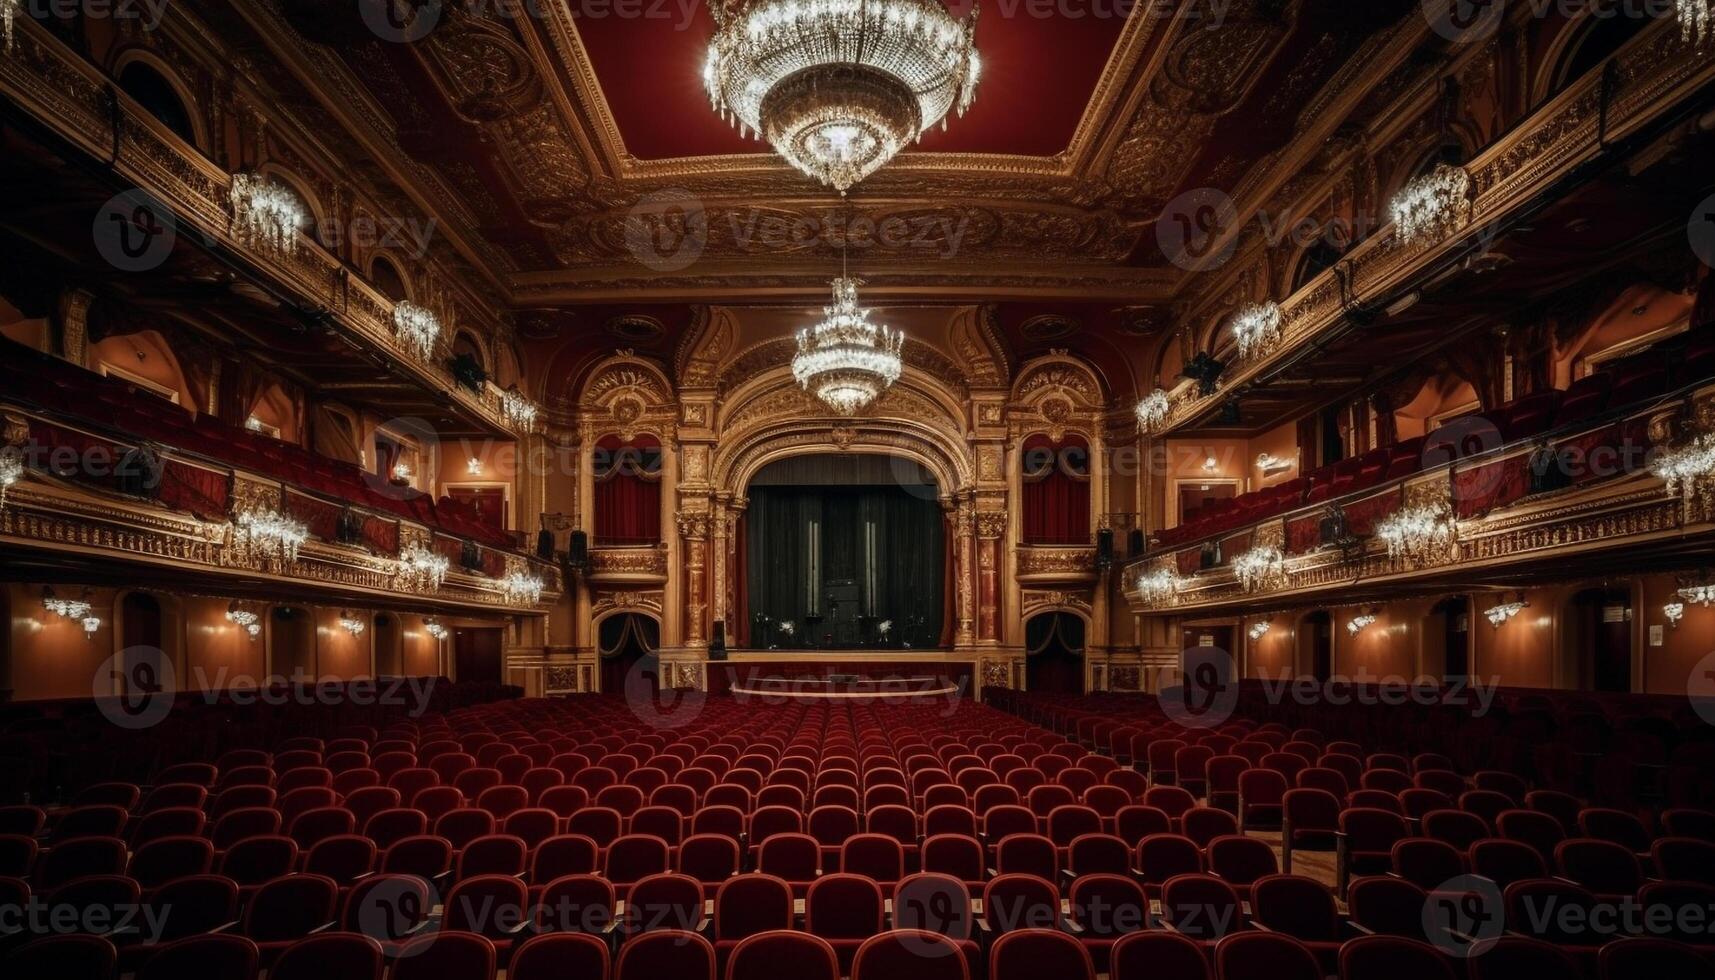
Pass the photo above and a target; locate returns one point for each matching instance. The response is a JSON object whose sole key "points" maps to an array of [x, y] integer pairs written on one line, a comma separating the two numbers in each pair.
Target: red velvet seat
{"points": [[746, 906], [1030, 954], [330, 956], [214, 957], [446, 955], [1265, 956]]}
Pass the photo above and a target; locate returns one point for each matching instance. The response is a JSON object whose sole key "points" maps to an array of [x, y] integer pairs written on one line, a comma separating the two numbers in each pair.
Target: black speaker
{"points": [[1105, 548], [717, 643], [578, 552], [1134, 542], [545, 544]]}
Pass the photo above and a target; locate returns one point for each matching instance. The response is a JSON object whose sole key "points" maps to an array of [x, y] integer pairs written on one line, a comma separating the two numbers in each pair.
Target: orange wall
{"points": [[340, 655], [1386, 649], [1669, 667], [219, 653], [1275, 651], [50, 656]]}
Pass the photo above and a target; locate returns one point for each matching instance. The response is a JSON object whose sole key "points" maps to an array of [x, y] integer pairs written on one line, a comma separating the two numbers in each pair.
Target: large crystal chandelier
{"points": [[1257, 327], [1418, 533], [265, 213], [8, 12], [1696, 21], [1432, 204], [839, 87], [11, 467], [522, 588], [271, 533], [1261, 568], [1158, 588], [417, 327], [517, 409], [845, 360], [1152, 410], [1689, 470]]}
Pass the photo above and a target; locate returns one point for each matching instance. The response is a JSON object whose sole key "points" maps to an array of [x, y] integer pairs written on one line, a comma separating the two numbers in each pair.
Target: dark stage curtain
{"points": [[1056, 491], [899, 574], [1054, 649], [627, 491]]}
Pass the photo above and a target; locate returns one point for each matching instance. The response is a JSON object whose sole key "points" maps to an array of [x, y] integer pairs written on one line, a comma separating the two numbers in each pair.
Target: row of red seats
{"points": [[1630, 383], [111, 404]]}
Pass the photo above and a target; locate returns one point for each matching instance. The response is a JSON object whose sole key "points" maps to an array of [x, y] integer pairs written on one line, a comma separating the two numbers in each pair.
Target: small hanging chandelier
{"points": [[1499, 615], [1152, 411], [1696, 21], [1257, 327], [1260, 569], [417, 328], [1158, 588], [351, 624], [265, 213], [839, 87], [271, 533], [428, 569], [1689, 470], [517, 409], [847, 361], [1419, 533], [522, 588]]}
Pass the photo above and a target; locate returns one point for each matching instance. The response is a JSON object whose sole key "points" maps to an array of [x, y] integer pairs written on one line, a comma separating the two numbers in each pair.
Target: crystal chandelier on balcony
{"points": [[1257, 327], [1432, 204], [1418, 533], [1261, 568], [839, 87], [522, 588], [271, 533], [417, 328], [1158, 588], [516, 409], [847, 361], [1696, 21], [426, 568], [1152, 410], [1689, 471], [11, 467], [265, 213]]}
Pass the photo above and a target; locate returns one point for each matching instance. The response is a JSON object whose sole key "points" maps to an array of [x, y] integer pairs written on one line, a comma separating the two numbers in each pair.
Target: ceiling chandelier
{"points": [[1152, 410], [272, 533], [1418, 533], [1158, 588], [1696, 21], [839, 87], [417, 327], [1260, 568], [265, 213], [426, 568], [845, 360], [1257, 327], [1432, 204], [1689, 470]]}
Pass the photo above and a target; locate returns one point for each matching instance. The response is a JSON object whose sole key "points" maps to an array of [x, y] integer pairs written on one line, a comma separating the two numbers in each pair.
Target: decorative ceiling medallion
{"points": [[847, 361], [636, 327], [839, 87], [1049, 327]]}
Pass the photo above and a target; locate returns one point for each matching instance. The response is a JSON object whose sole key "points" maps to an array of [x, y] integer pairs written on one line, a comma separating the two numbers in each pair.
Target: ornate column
{"points": [[964, 576], [74, 325], [694, 529], [720, 528], [990, 530]]}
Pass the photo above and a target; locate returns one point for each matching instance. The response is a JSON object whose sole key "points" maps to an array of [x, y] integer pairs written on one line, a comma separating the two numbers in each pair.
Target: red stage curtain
{"points": [[1056, 491], [628, 491]]}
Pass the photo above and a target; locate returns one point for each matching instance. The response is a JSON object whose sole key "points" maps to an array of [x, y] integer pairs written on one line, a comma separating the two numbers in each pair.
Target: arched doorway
{"points": [[1447, 639], [1316, 646], [142, 640], [1054, 653], [389, 646], [1598, 653], [292, 643], [628, 644]]}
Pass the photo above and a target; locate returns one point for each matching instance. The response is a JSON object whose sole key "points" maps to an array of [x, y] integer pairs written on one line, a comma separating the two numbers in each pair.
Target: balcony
{"points": [[636, 564], [1050, 565]]}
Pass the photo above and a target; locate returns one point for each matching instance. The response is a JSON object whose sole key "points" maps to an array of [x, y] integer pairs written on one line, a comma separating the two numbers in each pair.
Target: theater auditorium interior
{"points": [[857, 489]]}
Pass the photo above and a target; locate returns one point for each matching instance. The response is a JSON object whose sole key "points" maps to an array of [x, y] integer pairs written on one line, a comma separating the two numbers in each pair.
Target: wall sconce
{"points": [[243, 618], [90, 625], [1360, 622], [1498, 615], [1702, 593], [1674, 611], [1260, 630], [1271, 464], [401, 471], [1210, 465], [473, 466], [352, 625], [68, 608], [435, 629]]}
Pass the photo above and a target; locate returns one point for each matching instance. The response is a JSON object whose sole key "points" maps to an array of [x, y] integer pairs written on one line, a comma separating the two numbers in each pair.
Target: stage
{"points": [[833, 675]]}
